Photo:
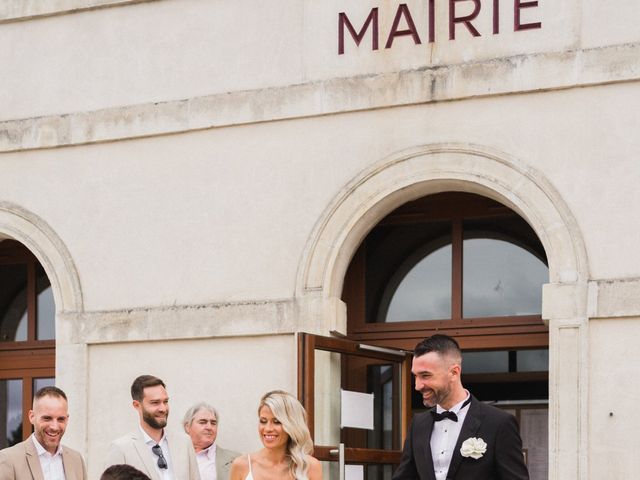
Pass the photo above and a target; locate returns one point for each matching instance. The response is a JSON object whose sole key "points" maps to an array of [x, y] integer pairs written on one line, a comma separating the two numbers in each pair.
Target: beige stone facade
{"points": [[195, 177]]}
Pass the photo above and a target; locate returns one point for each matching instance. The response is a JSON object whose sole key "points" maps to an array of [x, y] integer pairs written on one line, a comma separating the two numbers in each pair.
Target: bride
{"points": [[287, 443]]}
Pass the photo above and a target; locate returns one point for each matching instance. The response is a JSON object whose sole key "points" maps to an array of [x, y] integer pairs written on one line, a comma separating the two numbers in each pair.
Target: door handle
{"points": [[340, 452]]}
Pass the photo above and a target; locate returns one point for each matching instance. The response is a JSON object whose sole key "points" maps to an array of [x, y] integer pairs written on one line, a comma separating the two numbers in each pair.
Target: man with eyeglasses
{"points": [[150, 448]]}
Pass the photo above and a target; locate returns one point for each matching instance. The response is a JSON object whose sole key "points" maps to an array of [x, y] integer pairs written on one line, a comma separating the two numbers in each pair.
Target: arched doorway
{"points": [[465, 265], [27, 338], [425, 170], [29, 239]]}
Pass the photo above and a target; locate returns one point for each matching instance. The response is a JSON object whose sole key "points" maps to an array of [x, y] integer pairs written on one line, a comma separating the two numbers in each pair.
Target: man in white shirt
{"points": [[149, 448], [201, 424], [42, 456]]}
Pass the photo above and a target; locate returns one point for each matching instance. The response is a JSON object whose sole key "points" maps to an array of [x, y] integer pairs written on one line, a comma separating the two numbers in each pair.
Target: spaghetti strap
{"points": [[250, 476]]}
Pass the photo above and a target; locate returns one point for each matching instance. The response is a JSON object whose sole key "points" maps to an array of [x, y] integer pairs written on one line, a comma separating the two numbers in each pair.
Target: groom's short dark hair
{"points": [[441, 344]]}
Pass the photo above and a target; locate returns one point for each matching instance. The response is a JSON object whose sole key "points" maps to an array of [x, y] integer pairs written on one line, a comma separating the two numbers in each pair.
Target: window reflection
{"points": [[500, 279], [499, 361], [46, 315], [10, 412], [533, 360], [485, 362], [21, 331], [13, 302], [381, 384], [39, 383], [425, 291]]}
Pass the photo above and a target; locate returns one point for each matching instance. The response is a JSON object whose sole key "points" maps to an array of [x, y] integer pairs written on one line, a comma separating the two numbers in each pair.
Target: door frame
{"points": [[307, 345]]}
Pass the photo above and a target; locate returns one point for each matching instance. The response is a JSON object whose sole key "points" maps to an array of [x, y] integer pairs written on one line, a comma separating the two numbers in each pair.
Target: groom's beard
{"points": [[436, 397], [430, 403]]}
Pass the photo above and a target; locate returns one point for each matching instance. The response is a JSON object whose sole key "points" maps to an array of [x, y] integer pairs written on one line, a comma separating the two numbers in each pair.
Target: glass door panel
{"points": [[329, 365], [10, 412]]}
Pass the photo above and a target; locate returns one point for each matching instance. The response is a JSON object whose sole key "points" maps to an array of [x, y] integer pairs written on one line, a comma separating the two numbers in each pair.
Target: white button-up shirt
{"points": [[52, 466], [207, 463], [164, 473], [444, 437]]}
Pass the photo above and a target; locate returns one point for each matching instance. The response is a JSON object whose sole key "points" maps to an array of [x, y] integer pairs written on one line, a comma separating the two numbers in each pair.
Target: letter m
{"points": [[343, 21]]}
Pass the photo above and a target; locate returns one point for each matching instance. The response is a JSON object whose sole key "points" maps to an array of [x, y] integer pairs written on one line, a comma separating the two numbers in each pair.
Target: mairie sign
{"points": [[404, 25]]}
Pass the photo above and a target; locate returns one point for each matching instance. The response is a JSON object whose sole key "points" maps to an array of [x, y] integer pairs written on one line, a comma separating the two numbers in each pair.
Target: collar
{"points": [[150, 441], [43, 451], [210, 451], [458, 406]]}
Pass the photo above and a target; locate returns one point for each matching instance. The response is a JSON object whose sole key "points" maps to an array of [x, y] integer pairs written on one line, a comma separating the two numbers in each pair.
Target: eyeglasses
{"points": [[157, 450]]}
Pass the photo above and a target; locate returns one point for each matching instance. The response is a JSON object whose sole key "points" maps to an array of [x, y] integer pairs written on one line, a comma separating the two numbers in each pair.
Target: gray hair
{"points": [[191, 413]]}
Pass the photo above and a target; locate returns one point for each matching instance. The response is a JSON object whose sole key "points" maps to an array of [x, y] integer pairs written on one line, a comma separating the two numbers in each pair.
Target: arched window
{"points": [[470, 267], [499, 279], [27, 338], [453, 262]]}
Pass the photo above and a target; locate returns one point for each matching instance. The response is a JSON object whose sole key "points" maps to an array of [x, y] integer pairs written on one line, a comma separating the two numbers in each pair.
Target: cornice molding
{"points": [[517, 75], [23, 10]]}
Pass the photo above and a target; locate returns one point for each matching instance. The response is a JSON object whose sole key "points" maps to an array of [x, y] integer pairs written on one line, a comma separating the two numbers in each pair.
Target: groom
{"points": [[460, 438]]}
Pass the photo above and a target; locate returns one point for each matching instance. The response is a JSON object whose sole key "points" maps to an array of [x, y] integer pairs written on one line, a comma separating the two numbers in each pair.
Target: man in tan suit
{"points": [[41, 456], [150, 448], [201, 424]]}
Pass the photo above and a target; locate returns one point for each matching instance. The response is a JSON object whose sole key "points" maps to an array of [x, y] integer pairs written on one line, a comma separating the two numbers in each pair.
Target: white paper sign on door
{"points": [[353, 472], [357, 410]]}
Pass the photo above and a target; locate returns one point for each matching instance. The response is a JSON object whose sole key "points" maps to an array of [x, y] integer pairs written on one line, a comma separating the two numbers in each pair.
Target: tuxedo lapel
{"points": [[32, 460], [145, 454], [469, 429]]}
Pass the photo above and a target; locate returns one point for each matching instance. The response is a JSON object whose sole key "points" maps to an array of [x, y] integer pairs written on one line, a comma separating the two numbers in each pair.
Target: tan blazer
{"points": [[132, 450], [21, 462], [224, 459]]}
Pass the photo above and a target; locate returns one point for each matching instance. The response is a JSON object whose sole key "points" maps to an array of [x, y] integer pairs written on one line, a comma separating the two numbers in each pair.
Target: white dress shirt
{"points": [[52, 466], [444, 437], [164, 473], [207, 463]]}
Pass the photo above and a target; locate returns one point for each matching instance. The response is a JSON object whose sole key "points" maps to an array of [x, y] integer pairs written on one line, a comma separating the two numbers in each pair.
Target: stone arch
{"points": [[425, 170], [421, 171], [33, 232]]}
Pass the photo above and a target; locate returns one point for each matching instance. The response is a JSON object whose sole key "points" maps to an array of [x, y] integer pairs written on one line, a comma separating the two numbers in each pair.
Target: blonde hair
{"points": [[291, 414]]}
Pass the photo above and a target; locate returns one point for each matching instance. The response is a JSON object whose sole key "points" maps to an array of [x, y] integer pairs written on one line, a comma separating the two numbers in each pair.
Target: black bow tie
{"points": [[447, 414], [441, 416]]}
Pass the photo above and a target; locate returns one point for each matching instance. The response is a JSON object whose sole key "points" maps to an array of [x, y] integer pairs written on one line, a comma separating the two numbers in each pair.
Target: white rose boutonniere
{"points": [[473, 447]]}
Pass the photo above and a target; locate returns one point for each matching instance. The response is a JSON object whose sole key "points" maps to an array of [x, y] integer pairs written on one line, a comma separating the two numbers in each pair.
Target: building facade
{"points": [[195, 184]]}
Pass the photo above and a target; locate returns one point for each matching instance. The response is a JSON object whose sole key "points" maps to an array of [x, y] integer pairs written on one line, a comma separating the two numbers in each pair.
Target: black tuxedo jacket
{"points": [[503, 459]]}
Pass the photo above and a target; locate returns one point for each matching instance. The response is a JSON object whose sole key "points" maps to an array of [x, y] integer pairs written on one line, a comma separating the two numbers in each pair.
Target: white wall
{"points": [[175, 49], [223, 215], [231, 374], [613, 395]]}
